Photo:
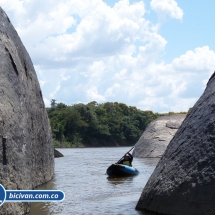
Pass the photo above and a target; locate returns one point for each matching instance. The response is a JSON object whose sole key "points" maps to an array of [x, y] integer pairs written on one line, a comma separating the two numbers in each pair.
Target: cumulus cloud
{"points": [[201, 58], [86, 50], [166, 8], [93, 95], [61, 31]]}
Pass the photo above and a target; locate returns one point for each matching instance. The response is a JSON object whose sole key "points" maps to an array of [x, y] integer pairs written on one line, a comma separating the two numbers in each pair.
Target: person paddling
{"points": [[126, 169], [127, 159]]}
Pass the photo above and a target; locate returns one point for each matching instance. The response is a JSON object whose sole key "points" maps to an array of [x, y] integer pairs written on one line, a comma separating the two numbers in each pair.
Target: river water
{"points": [[80, 174]]}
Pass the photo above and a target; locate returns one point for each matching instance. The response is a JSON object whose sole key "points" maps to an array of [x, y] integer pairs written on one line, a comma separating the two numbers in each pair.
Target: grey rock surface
{"points": [[183, 182], [26, 148], [57, 154], [157, 136]]}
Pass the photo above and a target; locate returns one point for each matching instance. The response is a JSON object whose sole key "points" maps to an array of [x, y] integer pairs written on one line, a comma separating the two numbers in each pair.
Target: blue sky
{"points": [[153, 54], [195, 30]]}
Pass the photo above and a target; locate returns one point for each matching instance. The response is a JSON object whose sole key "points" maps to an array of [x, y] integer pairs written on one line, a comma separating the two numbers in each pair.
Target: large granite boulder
{"points": [[157, 136], [26, 148], [183, 183]]}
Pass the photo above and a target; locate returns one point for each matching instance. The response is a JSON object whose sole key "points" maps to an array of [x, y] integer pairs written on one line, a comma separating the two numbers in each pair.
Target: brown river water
{"points": [[80, 174]]}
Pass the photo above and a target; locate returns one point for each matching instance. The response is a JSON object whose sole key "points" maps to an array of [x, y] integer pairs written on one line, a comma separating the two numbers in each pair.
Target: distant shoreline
{"points": [[93, 147]]}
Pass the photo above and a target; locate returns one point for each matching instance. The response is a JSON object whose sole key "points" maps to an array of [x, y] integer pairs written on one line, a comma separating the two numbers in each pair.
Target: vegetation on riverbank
{"points": [[93, 124]]}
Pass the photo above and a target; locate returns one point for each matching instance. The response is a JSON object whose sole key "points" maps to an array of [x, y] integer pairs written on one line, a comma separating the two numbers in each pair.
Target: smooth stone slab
{"points": [[157, 136]]}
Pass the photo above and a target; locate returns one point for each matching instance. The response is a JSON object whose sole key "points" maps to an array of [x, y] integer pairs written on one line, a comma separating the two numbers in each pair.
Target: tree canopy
{"points": [[93, 124]]}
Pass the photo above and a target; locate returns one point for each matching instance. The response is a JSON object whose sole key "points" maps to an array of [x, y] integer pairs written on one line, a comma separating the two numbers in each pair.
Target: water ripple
{"points": [[88, 190]]}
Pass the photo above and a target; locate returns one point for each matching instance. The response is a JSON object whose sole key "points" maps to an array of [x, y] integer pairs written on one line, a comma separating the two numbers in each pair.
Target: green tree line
{"points": [[93, 124]]}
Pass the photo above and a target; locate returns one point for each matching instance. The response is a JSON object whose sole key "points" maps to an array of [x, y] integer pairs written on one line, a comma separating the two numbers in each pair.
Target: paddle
{"points": [[123, 155]]}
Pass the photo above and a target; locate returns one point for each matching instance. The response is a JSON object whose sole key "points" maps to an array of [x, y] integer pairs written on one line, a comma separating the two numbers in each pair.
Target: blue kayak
{"points": [[121, 170]]}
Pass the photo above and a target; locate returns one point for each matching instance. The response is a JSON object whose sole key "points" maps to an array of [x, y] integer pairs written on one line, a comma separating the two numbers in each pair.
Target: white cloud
{"points": [[201, 58], [149, 102], [167, 8], [87, 50], [96, 70], [93, 95], [112, 91], [52, 95], [151, 51], [182, 104], [64, 78], [42, 83], [47, 102]]}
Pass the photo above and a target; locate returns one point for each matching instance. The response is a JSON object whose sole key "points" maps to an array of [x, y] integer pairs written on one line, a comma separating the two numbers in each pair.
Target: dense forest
{"points": [[93, 124]]}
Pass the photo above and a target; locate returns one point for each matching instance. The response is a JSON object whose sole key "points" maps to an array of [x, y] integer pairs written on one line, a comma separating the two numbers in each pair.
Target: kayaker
{"points": [[127, 160]]}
